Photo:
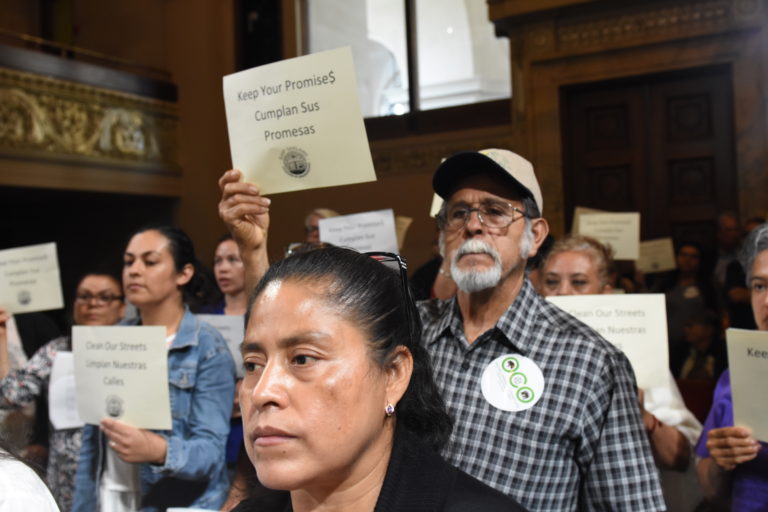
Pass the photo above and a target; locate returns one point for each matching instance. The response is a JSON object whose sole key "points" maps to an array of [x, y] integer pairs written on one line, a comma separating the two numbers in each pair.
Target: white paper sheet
{"points": [[121, 372], [62, 394], [296, 124], [232, 328], [437, 203], [29, 279], [619, 230], [635, 323], [364, 232], [656, 256], [748, 364], [577, 213]]}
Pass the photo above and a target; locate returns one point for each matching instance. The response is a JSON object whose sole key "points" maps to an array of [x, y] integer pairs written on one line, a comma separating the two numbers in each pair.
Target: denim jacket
{"points": [[201, 378]]}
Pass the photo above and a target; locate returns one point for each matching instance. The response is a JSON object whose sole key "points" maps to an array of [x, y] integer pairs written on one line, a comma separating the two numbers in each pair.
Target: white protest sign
{"points": [[656, 256], [62, 395], [29, 279], [121, 372], [364, 232], [635, 323], [748, 364], [577, 213], [437, 203], [296, 124], [619, 230], [232, 329]]}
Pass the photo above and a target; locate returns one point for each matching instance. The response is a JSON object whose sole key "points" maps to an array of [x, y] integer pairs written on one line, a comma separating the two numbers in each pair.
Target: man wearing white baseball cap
{"points": [[545, 409]]}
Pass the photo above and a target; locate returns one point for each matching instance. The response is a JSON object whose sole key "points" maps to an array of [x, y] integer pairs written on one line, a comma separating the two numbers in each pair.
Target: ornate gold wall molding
{"points": [[50, 118]]}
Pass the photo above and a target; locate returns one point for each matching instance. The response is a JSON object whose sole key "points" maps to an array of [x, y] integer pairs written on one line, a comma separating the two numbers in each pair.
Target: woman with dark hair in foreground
{"points": [[339, 406]]}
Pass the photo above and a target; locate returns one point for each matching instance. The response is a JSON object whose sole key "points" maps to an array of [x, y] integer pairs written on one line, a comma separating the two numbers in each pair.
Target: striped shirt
{"points": [[581, 446]]}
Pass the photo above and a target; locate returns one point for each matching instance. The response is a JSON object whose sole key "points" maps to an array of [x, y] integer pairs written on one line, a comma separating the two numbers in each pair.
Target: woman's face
{"points": [[228, 268], [98, 301], [571, 273], [688, 259], [312, 229], [759, 290], [312, 399], [149, 272]]}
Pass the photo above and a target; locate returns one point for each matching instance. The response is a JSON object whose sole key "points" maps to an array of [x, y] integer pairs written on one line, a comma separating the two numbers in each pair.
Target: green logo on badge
{"points": [[510, 364]]}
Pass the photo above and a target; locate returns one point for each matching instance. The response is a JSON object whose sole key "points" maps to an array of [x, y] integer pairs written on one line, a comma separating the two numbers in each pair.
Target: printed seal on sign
{"points": [[114, 406], [295, 162], [24, 297], [512, 383]]}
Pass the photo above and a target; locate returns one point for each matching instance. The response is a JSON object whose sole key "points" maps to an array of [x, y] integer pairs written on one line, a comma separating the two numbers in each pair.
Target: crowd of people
{"points": [[354, 397]]}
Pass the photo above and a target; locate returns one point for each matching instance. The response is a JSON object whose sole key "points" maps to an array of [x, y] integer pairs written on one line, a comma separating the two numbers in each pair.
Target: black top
{"points": [[417, 480], [36, 330]]}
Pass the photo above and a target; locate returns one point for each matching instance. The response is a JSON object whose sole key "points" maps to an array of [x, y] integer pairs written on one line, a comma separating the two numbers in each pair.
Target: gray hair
{"points": [[756, 242]]}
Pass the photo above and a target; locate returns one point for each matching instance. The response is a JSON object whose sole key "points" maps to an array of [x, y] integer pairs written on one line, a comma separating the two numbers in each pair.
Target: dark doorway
{"points": [[90, 229], [659, 144]]}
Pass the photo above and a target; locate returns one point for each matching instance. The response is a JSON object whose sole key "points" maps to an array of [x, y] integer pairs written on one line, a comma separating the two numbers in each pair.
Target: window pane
{"points": [[461, 60], [375, 29]]}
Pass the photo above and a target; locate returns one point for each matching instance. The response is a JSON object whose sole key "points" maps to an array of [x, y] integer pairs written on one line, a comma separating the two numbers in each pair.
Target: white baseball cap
{"points": [[503, 163]]}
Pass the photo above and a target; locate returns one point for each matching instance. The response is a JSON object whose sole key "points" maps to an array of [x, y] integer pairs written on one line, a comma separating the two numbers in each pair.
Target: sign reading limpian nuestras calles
{"points": [[121, 372], [296, 124], [636, 323]]}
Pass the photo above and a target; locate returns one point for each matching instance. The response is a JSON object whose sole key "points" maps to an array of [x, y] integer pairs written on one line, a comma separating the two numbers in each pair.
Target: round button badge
{"points": [[512, 383]]}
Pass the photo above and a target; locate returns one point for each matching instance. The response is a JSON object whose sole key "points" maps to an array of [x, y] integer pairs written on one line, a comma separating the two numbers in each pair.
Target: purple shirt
{"points": [[750, 479]]}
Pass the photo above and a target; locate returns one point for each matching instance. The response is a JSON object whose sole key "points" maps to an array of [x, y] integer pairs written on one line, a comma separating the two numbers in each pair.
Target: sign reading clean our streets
{"points": [[296, 124], [635, 323], [121, 372]]}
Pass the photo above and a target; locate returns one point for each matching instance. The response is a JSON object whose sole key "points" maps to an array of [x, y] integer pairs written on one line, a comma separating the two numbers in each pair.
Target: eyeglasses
{"points": [[101, 299], [492, 214], [299, 247], [388, 259]]}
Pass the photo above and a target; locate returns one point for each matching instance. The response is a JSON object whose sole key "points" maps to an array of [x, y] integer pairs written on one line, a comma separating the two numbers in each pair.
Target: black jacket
{"points": [[417, 480]]}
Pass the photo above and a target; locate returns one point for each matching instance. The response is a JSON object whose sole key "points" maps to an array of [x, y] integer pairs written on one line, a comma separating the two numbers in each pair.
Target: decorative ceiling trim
{"points": [[667, 20]]}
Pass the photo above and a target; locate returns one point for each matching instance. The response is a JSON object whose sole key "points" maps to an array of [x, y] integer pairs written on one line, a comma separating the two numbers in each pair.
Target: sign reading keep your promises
{"points": [[121, 372], [363, 232], [296, 124], [29, 279], [748, 363]]}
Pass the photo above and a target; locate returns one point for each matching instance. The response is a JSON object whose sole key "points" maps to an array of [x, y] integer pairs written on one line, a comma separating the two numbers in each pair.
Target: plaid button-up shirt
{"points": [[582, 446]]}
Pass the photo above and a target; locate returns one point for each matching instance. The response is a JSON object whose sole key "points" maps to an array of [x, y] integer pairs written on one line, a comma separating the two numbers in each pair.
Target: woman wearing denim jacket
{"points": [[123, 468]]}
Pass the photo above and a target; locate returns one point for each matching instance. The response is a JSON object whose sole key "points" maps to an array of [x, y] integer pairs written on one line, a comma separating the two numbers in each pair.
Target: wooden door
{"points": [[659, 144]]}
